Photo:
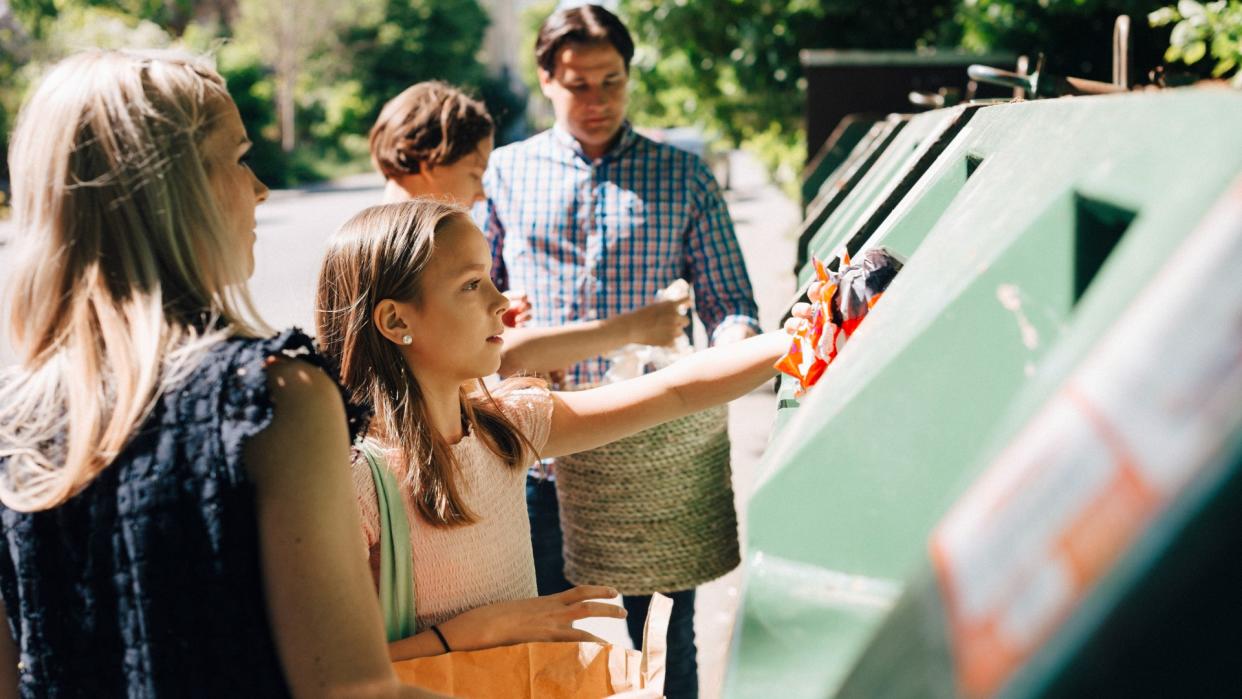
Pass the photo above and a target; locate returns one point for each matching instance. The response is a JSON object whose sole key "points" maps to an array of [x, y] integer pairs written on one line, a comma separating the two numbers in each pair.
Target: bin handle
{"points": [[996, 76]]}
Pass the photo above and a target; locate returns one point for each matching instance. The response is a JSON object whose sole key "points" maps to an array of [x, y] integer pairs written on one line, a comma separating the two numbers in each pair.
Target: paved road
{"points": [[292, 228]]}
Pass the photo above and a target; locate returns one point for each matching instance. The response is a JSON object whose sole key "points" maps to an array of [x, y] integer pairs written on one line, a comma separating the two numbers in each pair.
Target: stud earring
{"points": [[407, 339]]}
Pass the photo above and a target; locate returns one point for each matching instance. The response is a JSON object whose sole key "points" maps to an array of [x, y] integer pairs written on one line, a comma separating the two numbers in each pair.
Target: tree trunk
{"points": [[286, 76]]}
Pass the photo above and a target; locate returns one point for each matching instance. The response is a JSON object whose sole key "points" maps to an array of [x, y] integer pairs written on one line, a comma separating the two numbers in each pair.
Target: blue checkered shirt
{"points": [[590, 239]]}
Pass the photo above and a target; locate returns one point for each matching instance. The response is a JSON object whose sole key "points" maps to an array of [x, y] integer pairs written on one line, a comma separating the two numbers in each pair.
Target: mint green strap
{"points": [[396, 584]]}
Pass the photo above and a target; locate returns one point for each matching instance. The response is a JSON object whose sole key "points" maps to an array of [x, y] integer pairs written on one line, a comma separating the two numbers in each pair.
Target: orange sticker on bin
{"points": [[1100, 462]]}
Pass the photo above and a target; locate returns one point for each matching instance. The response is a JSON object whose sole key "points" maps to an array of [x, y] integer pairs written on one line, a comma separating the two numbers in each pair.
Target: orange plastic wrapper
{"points": [[844, 299]]}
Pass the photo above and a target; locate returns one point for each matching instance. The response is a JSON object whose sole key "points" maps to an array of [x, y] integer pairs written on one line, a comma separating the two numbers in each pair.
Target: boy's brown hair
{"points": [[431, 123], [586, 25]]}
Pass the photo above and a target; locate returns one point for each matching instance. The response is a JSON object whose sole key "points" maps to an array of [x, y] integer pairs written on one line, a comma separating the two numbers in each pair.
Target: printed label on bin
{"points": [[1118, 442]]}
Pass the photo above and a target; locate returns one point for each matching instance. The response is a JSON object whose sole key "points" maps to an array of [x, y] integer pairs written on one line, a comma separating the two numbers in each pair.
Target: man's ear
{"points": [[389, 319]]}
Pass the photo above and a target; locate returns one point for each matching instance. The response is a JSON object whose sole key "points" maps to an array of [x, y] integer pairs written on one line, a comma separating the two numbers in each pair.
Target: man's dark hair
{"points": [[585, 25]]}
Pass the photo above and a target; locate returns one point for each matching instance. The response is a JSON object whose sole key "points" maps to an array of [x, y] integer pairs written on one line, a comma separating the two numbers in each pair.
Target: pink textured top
{"points": [[457, 569]]}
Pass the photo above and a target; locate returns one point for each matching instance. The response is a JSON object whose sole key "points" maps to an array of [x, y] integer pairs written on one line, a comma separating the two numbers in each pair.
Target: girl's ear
{"points": [[390, 319]]}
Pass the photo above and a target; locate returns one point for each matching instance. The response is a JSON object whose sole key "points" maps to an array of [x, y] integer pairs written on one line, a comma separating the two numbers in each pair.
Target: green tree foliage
{"points": [[417, 40], [538, 111], [1075, 36], [173, 16], [308, 75], [28, 48], [13, 53], [252, 89], [735, 62], [732, 65], [1200, 29]]}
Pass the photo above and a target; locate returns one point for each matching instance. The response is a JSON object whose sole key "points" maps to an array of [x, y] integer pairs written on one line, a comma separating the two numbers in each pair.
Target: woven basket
{"points": [[652, 512]]}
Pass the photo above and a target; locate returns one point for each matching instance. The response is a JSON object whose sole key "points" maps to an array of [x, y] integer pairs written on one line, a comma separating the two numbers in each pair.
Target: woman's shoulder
{"points": [[259, 374], [287, 366], [243, 352]]}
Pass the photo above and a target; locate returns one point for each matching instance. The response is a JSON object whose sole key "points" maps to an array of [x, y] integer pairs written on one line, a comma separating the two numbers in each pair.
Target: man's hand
{"points": [[660, 324]]}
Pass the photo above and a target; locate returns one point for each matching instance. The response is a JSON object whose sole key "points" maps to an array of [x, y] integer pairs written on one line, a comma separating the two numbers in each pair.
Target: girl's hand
{"points": [[518, 314], [660, 323], [801, 312], [547, 618]]}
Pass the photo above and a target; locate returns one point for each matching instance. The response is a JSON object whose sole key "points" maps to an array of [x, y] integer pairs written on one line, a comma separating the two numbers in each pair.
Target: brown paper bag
{"points": [[550, 670]]}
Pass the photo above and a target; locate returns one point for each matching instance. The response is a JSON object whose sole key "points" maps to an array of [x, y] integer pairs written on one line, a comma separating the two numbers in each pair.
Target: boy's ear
{"points": [[545, 79], [389, 320], [426, 177]]}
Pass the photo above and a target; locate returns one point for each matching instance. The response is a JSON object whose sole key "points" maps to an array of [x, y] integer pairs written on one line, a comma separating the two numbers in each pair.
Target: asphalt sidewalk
{"points": [[767, 225]]}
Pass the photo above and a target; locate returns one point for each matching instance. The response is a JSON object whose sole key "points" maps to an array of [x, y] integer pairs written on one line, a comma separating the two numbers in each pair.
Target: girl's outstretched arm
{"points": [[583, 420], [320, 602]]}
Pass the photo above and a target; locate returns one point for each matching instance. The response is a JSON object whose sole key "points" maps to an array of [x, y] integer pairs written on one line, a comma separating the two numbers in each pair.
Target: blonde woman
{"points": [[178, 518]]}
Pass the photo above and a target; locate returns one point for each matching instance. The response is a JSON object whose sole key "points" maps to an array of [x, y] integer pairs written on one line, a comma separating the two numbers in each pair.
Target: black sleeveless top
{"points": [[148, 582]]}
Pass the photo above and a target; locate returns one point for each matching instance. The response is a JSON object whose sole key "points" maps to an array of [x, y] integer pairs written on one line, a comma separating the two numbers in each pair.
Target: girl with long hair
{"points": [[408, 311], [176, 514]]}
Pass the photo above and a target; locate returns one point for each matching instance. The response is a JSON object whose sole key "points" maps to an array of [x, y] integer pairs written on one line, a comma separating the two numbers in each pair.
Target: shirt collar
{"points": [[565, 140]]}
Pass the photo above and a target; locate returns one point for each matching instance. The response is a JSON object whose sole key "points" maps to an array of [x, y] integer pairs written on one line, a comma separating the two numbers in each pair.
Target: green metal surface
{"points": [[878, 184], [840, 185], [1029, 232], [1162, 621], [886, 182], [844, 138]]}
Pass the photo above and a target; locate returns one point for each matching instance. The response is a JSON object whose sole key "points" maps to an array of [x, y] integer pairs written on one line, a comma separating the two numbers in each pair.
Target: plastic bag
{"points": [[631, 361]]}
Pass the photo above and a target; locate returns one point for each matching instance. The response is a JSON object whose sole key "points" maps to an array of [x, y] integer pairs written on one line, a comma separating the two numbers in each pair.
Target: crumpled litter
{"points": [[634, 360], [845, 298]]}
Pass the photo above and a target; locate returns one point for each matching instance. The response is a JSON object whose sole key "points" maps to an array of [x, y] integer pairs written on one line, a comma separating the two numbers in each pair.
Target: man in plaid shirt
{"points": [[591, 220]]}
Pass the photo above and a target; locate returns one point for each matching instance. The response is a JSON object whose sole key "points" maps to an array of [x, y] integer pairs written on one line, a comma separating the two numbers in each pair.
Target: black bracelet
{"points": [[440, 636]]}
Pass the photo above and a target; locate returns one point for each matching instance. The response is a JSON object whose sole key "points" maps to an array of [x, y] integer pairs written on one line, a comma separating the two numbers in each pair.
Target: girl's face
{"points": [[455, 324], [237, 191], [462, 182]]}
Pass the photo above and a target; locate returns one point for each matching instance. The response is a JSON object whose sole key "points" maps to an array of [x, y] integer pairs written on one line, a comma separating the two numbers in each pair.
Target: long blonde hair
{"points": [[125, 270], [380, 254]]}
